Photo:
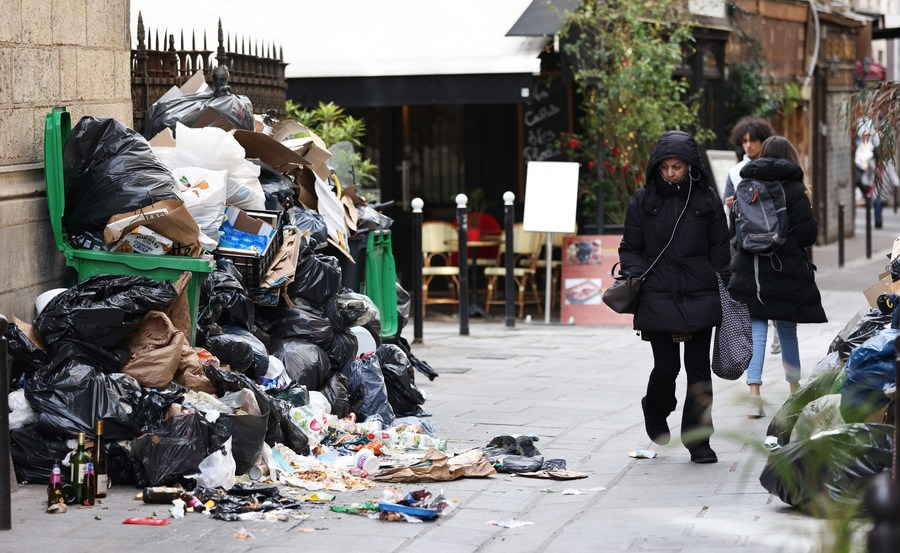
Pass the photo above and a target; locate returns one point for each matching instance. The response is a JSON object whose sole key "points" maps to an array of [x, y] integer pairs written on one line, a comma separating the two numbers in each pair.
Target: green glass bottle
{"points": [[78, 464]]}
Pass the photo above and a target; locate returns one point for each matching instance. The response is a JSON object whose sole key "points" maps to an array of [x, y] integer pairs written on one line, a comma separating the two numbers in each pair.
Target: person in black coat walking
{"points": [[679, 300], [779, 286]]}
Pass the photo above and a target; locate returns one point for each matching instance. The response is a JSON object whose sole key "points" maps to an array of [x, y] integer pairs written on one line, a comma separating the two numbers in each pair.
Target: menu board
{"points": [[586, 264], [544, 119]]}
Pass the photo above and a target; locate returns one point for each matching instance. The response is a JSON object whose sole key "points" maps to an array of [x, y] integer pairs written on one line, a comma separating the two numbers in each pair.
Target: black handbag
{"points": [[623, 294]]}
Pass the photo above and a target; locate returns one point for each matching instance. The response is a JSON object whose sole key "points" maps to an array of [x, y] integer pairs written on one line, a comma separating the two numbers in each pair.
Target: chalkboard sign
{"points": [[544, 119]]}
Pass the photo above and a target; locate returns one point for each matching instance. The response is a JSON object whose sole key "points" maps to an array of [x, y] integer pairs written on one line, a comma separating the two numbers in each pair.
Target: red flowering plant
{"points": [[619, 178]]}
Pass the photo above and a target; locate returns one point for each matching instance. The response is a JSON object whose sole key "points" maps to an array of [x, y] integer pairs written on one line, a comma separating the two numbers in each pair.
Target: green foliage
{"points": [[623, 54], [332, 125]]}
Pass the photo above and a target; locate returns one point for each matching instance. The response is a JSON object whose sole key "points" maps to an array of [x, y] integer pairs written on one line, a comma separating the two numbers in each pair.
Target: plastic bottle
{"points": [[386, 436], [414, 440], [368, 426]]}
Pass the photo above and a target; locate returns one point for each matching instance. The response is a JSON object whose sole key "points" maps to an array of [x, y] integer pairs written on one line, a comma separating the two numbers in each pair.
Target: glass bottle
{"points": [[98, 457], [89, 485], [162, 494], [55, 488], [78, 463]]}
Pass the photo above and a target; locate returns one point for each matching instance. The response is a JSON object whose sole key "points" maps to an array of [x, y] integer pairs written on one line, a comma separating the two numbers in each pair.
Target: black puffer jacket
{"points": [[787, 282], [681, 294]]}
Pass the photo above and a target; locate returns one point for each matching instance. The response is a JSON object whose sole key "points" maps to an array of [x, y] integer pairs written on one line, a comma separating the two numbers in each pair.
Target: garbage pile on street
{"points": [[836, 432]]}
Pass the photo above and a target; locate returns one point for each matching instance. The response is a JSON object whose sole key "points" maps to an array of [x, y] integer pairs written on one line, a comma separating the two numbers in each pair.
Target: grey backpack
{"points": [[761, 219]]}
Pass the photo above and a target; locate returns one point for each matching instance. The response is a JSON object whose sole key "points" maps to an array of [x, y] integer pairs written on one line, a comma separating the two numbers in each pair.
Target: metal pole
{"points": [[840, 235], [868, 228], [509, 217], [548, 284], [5, 476], [463, 258], [417, 205]]}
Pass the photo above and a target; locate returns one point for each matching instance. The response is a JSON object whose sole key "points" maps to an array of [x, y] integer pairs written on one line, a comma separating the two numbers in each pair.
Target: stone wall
{"points": [[840, 181], [73, 53]]}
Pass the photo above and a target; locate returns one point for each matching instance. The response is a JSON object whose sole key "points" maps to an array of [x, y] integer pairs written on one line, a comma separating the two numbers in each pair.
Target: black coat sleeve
{"points": [[804, 227]]}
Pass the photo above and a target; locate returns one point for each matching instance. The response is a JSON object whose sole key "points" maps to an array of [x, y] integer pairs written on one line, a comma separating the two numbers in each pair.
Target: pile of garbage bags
{"points": [[835, 433]]}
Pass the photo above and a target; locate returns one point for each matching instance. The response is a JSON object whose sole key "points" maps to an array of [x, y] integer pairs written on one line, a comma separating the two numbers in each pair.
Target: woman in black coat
{"points": [[679, 301], [780, 286]]}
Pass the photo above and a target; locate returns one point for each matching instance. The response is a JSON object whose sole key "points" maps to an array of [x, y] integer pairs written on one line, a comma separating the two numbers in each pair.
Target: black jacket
{"points": [[681, 294], [787, 282]]}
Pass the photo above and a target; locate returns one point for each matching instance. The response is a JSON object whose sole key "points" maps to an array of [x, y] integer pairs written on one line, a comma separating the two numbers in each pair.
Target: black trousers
{"points": [[660, 401]]}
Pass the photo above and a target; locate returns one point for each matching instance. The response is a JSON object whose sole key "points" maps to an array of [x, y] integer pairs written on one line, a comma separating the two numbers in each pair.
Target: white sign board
{"points": [[720, 162], [551, 195]]}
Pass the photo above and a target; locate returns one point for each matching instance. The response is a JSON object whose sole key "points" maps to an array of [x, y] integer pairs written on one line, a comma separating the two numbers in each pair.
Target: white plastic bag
{"points": [[203, 193], [217, 470], [20, 411]]}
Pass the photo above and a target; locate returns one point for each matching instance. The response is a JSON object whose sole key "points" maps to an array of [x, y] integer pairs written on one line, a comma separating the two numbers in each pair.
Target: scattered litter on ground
{"points": [[509, 523], [642, 454]]}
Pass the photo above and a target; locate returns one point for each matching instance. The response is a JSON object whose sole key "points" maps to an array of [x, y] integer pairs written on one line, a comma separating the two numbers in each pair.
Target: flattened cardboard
{"points": [[268, 150], [163, 139], [883, 286]]}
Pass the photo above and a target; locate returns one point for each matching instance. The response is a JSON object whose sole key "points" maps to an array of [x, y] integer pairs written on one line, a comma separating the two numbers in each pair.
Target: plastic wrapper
{"points": [[400, 380], [110, 169], [342, 351], [819, 414], [862, 326], [239, 349], [300, 322], [365, 374], [224, 299], [371, 219], [305, 363], [186, 109], [33, 453], [92, 319], [69, 396], [355, 309], [832, 469], [20, 412], [295, 393], [307, 220], [280, 191], [336, 392], [868, 370], [783, 422], [174, 451], [279, 428], [317, 279]]}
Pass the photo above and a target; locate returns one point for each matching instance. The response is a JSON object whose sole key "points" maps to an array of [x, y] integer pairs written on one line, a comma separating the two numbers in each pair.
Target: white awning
{"points": [[362, 38]]}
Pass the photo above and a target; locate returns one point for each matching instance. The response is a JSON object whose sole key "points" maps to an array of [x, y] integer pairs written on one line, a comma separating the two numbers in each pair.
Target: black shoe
{"points": [[703, 454], [656, 427]]}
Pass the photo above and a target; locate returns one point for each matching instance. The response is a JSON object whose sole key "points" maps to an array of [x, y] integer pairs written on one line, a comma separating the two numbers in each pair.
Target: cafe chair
{"points": [[527, 249], [438, 245], [486, 227]]}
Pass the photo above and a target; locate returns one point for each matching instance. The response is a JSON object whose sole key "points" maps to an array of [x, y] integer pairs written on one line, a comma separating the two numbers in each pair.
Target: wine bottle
{"points": [[99, 459], [89, 485], [55, 488], [162, 494], [78, 464]]}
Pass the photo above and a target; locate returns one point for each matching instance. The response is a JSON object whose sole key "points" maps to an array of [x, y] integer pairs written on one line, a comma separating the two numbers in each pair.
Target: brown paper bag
{"points": [[167, 217], [155, 351]]}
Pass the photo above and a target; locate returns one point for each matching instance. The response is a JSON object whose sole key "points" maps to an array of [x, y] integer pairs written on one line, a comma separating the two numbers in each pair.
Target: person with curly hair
{"points": [[748, 134]]}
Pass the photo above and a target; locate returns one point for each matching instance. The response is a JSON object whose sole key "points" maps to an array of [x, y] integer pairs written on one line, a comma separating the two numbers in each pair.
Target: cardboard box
{"points": [[245, 222], [883, 286], [311, 147], [270, 151]]}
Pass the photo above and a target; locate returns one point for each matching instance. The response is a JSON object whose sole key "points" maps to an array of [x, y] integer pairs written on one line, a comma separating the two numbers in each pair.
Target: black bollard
{"points": [[462, 256], [5, 475], [895, 198], [418, 259], [509, 217], [840, 235], [868, 228]]}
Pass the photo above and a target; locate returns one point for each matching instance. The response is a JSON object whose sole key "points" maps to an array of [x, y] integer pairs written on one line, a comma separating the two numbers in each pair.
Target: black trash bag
{"points": [[110, 169], [240, 349], [236, 109], [294, 393], [355, 309], [279, 427], [280, 191], [785, 419], [151, 407], [343, 350], [308, 220], [366, 372], [224, 300], [514, 454], [92, 319], [89, 240], [175, 450], [69, 396], [305, 363], [33, 454], [400, 380], [374, 328], [317, 279], [247, 433], [869, 368], [300, 322], [244, 498], [123, 467], [418, 364], [862, 326], [337, 394], [27, 358], [832, 469], [371, 219]]}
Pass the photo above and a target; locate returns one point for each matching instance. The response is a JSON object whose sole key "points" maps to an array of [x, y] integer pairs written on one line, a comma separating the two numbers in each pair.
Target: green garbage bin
{"points": [[381, 279], [88, 263]]}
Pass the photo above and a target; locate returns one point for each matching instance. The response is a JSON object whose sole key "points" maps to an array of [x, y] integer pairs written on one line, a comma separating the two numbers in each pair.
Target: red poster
{"points": [[586, 264]]}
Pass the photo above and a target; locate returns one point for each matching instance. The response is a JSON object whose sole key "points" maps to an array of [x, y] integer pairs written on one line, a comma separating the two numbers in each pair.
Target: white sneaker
{"points": [[755, 408]]}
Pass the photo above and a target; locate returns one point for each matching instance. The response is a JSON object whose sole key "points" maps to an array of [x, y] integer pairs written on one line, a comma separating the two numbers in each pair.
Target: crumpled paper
{"points": [[436, 466]]}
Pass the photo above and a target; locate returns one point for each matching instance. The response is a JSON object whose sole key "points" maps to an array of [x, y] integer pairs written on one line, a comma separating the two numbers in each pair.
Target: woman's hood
{"points": [[770, 168], [678, 144]]}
